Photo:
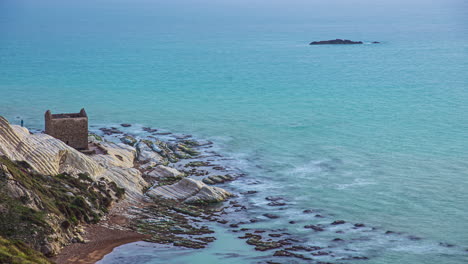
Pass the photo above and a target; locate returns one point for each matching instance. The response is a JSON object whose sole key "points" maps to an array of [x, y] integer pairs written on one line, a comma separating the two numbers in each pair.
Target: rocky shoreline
{"points": [[174, 190]]}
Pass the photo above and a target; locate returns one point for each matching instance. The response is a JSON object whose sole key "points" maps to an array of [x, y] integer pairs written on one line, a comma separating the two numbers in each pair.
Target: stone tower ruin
{"points": [[70, 128]]}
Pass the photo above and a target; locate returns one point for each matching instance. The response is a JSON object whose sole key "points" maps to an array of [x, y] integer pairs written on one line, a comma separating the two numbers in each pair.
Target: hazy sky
{"points": [[254, 8]]}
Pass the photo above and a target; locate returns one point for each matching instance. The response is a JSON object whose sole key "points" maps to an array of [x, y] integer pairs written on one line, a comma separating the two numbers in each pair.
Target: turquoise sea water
{"points": [[372, 133]]}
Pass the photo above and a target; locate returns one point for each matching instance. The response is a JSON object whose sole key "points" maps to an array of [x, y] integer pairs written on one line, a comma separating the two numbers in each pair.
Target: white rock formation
{"points": [[190, 191], [146, 155], [164, 172], [50, 156], [44, 153]]}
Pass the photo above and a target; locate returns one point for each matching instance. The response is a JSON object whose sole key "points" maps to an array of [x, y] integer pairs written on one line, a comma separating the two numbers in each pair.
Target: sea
{"points": [[372, 133]]}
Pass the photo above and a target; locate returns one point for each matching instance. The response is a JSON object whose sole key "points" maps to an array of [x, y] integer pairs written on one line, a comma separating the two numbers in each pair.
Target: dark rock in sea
{"points": [[337, 240], [163, 133], [335, 41], [319, 216], [110, 131], [234, 225], [284, 253], [314, 227], [126, 125], [375, 42], [359, 225], [222, 221], [355, 258], [308, 211], [414, 238], [320, 253], [249, 192], [304, 248], [274, 198], [275, 235], [446, 245], [149, 129], [362, 258], [271, 216], [389, 232], [276, 204], [338, 222], [292, 222], [262, 245], [339, 232]]}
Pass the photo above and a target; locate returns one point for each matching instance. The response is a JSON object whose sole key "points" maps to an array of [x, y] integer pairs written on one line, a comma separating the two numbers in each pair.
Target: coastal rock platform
{"points": [[190, 191]]}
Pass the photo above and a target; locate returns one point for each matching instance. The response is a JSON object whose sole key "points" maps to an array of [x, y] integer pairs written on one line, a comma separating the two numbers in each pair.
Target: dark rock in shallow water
{"points": [[249, 192], [271, 216], [446, 245], [338, 222], [355, 258], [275, 235], [359, 225], [304, 248], [320, 253], [276, 204], [311, 211], [126, 125], [314, 227], [284, 253], [274, 198], [110, 131], [149, 129], [335, 41], [375, 42]]}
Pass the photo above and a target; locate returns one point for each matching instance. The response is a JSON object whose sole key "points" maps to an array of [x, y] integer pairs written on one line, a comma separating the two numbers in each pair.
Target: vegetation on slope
{"points": [[17, 252], [43, 211]]}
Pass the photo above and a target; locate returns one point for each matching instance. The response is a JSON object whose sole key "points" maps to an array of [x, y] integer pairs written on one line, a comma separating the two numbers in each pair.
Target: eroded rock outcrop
{"points": [[190, 191], [47, 155], [50, 156]]}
